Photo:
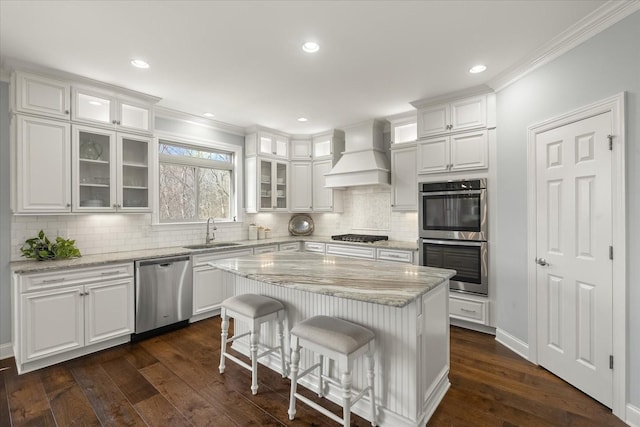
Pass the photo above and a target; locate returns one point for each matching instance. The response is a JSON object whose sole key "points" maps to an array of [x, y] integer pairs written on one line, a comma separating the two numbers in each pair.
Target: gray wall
{"points": [[605, 65], [5, 218]]}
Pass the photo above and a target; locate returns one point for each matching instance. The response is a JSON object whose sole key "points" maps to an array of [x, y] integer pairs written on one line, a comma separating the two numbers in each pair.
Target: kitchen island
{"points": [[406, 306]]}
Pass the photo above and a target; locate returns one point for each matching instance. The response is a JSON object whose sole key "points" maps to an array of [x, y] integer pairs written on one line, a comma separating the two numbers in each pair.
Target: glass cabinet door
{"points": [[94, 174], [265, 184], [134, 177], [281, 186], [93, 107]]}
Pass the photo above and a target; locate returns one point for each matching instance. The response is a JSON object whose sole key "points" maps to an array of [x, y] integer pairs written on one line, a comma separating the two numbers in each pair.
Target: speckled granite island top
{"points": [[363, 280]]}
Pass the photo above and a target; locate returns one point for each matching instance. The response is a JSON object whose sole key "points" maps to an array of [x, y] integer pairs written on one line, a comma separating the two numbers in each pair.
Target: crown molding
{"points": [[169, 113], [600, 19]]}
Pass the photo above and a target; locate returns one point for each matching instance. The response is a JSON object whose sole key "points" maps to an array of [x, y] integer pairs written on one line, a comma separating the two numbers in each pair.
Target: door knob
{"points": [[541, 261]]}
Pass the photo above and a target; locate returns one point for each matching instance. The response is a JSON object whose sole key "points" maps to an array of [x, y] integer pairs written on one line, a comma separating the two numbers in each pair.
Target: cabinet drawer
{"points": [[265, 249], [351, 251], [293, 246], [314, 247], [395, 255], [203, 259], [469, 310], [52, 279]]}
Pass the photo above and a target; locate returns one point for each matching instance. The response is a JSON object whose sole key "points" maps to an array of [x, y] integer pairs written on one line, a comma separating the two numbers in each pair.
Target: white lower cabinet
{"points": [[68, 313], [287, 247], [395, 255], [209, 289], [351, 251], [469, 308]]}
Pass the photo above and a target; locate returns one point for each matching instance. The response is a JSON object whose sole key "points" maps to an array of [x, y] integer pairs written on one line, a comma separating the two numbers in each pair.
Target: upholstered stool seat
{"points": [[254, 310], [342, 342]]}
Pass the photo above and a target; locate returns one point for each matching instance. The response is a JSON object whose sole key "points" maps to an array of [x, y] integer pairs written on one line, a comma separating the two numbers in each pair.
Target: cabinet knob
{"points": [[66, 112], [118, 122], [68, 205], [113, 122], [115, 206]]}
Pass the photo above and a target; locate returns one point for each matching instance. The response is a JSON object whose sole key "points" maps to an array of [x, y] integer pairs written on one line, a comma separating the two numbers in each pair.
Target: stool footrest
{"points": [[238, 361], [308, 370], [319, 408], [268, 351], [235, 337]]}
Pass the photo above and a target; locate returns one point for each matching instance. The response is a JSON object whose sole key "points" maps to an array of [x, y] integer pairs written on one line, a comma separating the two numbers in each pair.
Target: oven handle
{"points": [[454, 242], [451, 193]]}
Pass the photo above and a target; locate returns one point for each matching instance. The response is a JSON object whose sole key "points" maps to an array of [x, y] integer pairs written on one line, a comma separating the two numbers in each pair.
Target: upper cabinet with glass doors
{"points": [[112, 171], [111, 110], [269, 144]]}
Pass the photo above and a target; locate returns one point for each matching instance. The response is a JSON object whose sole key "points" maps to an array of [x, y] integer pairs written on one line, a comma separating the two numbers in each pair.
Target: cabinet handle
{"points": [[66, 112], [110, 273], [468, 311], [54, 280]]}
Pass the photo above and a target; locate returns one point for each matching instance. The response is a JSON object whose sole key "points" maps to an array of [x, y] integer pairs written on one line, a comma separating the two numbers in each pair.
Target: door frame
{"points": [[615, 105]]}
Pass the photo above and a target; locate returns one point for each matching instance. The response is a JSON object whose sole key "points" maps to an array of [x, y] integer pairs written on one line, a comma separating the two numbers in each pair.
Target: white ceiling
{"points": [[242, 59]]}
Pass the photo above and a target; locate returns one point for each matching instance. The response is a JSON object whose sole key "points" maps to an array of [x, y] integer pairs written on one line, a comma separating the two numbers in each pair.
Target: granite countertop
{"points": [[363, 280], [130, 256]]}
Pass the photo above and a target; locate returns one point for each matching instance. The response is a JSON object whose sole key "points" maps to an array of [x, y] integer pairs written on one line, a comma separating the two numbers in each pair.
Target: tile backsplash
{"points": [[104, 233]]}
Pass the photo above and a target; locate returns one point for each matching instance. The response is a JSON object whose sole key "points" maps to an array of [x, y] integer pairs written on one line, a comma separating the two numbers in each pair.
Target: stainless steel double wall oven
{"points": [[453, 231]]}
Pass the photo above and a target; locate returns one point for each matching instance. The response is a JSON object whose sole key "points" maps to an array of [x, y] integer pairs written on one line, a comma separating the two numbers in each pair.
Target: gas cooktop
{"points": [[361, 238]]}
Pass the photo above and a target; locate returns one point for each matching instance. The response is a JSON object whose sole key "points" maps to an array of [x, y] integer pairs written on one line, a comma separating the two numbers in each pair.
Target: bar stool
{"points": [[342, 342], [254, 310]]}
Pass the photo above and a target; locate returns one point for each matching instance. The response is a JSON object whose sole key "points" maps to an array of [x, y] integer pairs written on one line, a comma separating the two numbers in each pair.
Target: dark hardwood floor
{"points": [[173, 380]]}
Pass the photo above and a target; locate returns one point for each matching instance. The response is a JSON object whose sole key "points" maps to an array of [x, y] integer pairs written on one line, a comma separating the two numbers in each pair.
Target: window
{"points": [[195, 183]]}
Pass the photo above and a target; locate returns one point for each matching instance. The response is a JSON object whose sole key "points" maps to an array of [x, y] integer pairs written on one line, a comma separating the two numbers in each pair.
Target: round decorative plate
{"points": [[301, 225]]}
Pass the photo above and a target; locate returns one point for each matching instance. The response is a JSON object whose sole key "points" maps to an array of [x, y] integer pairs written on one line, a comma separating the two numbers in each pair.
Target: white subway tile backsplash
{"points": [[104, 233]]}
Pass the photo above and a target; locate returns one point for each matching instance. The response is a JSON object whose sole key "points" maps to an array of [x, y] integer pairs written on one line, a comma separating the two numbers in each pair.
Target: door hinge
{"points": [[610, 252], [610, 142], [611, 361]]}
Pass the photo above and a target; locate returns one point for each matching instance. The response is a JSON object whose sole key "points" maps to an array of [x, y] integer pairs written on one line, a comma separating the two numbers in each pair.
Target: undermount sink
{"points": [[211, 245]]}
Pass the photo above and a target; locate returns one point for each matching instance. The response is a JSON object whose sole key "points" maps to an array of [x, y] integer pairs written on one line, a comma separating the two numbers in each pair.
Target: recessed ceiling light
{"points": [[139, 63], [311, 47], [477, 69], [208, 114], [303, 119]]}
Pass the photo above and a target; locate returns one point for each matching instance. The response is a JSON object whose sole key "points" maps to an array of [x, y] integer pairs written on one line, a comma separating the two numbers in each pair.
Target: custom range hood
{"points": [[364, 161]]}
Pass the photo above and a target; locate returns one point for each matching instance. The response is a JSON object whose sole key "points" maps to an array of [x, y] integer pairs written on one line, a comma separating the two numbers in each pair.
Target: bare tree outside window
{"points": [[195, 183]]}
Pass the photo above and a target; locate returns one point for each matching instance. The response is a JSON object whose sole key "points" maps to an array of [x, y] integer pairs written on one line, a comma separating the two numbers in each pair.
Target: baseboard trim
{"points": [[514, 344], [6, 351], [633, 415]]}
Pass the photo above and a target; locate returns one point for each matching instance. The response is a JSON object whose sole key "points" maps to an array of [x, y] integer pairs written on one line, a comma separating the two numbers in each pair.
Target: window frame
{"points": [[235, 204]]}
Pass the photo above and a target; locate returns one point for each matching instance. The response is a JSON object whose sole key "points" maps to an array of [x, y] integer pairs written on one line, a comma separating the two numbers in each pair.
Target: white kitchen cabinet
{"points": [[395, 255], [404, 177], [308, 193], [301, 149], [209, 289], [328, 145], [457, 152], [458, 115], [469, 308], [267, 144], [40, 95], [351, 251], [325, 199], [314, 247], [266, 185], [67, 313], [112, 171], [289, 247], [301, 187], [111, 110], [42, 169]]}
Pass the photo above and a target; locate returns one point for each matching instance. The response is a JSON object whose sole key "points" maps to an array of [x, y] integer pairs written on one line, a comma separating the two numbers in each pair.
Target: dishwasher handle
{"points": [[162, 262]]}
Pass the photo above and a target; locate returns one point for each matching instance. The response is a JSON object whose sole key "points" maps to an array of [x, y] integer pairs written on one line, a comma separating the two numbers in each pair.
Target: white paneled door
{"points": [[574, 270]]}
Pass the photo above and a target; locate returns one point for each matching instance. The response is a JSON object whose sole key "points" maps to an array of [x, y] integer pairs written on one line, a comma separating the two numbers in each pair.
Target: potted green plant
{"points": [[41, 248]]}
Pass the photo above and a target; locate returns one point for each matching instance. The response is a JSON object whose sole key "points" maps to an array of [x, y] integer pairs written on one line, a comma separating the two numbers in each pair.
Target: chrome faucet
{"points": [[211, 237]]}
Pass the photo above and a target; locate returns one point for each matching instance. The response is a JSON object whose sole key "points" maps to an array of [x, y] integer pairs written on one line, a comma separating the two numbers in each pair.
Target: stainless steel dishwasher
{"points": [[164, 294]]}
